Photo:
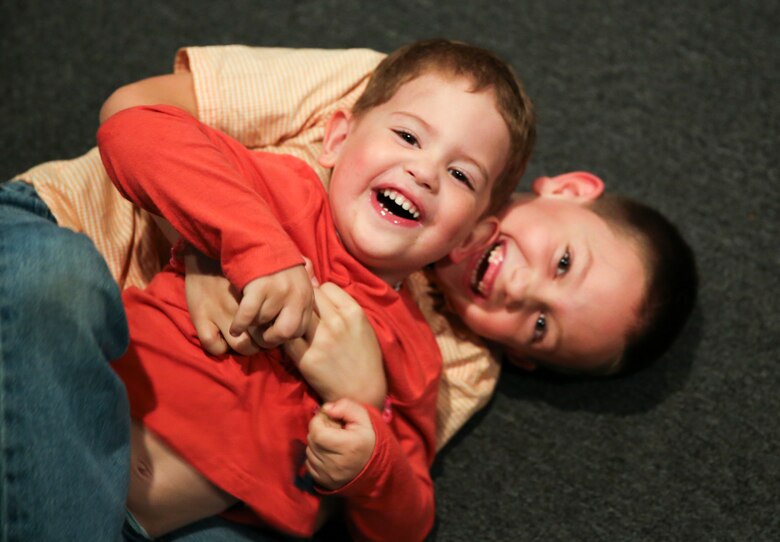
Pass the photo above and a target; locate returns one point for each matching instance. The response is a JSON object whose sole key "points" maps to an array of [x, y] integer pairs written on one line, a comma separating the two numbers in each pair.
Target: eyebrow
{"points": [[415, 117], [429, 128]]}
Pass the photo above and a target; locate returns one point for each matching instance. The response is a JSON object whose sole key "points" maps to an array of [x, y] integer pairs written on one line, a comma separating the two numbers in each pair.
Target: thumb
{"points": [[210, 337], [346, 411], [248, 308]]}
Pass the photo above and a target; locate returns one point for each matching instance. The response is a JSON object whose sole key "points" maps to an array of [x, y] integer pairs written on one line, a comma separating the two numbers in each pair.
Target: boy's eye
{"points": [[461, 177], [540, 327], [563, 264], [407, 137]]}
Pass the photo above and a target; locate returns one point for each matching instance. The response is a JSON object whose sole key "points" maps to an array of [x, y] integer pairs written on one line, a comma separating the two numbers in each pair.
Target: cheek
{"points": [[354, 165], [479, 321], [344, 196], [369, 153], [459, 210], [495, 327], [347, 191]]}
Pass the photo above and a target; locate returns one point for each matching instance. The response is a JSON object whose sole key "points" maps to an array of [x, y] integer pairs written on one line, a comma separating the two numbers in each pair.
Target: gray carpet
{"points": [[675, 103]]}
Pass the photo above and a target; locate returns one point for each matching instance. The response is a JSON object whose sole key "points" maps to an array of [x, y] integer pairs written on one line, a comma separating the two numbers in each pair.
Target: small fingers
{"points": [[244, 344], [331, 315], [326, 435], [211, 338], [248, 309], [346, 411], [338, 297], [323, 304], [338, 306], [289, 324], [316, 467]]}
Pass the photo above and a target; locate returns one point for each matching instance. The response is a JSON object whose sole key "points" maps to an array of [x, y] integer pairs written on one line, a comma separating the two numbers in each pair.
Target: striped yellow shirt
{"points": [[270, 99]]}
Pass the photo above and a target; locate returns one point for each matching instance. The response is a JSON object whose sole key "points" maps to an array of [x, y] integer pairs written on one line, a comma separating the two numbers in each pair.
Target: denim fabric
{"points": [[64, 417], [216, 529], [64, 422]]}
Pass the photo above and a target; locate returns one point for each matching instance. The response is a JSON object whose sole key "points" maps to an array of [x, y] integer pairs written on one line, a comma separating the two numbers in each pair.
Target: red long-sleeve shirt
{"points": [[242, 421]]}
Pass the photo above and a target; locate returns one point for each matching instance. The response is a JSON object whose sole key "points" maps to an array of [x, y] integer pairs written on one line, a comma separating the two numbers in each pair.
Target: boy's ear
{"points": [[335, 134], [483, 234], [579, 186]]}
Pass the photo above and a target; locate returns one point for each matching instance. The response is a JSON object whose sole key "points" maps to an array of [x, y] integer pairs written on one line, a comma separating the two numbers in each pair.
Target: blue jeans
{"points": [[64, 417]]}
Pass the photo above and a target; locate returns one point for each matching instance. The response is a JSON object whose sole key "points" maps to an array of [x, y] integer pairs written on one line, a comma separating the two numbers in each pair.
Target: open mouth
{"points": [[486, 270], [396, 204]]}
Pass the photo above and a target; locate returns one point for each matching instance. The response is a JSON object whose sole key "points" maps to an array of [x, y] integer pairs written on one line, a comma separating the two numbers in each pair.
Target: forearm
{"points": [[168, 163], [368, 392], [171, 89]]}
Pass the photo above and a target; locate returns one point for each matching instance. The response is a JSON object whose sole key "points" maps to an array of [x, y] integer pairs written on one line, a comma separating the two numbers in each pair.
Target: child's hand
{"points": [[341, 441], [280, 303], [212, 302], [338, 354]]}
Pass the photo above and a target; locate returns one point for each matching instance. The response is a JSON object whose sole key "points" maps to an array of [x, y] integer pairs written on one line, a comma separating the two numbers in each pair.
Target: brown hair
{"points": [[671, 278], [485, 70]]}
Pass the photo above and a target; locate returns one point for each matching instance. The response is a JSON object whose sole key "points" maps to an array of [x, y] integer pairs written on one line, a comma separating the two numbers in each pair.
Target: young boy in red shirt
{"points": [[442, 131]]}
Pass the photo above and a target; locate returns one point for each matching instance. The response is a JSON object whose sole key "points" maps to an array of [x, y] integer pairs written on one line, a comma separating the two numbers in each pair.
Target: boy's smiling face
{"points": [[558, 286], [412, 176]]}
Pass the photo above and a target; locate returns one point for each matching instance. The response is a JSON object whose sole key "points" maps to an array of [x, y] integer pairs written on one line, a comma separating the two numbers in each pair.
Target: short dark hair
{"points": [[485, 70], [671, 278]]}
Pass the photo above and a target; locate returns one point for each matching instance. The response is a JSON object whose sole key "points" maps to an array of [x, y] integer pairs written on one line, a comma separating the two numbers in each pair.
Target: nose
{"points": [[520, 287], [424, 172]]}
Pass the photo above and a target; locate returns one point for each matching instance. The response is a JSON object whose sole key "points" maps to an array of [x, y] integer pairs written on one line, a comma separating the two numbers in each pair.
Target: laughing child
{"points": [[436, 140]]}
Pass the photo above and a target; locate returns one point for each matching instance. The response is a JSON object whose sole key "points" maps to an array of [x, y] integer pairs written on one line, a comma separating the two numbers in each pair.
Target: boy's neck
{"points": [[394, 280]]}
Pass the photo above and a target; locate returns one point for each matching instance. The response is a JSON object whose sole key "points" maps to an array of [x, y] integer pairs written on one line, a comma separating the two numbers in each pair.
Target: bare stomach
{"points": [[166, 492]]}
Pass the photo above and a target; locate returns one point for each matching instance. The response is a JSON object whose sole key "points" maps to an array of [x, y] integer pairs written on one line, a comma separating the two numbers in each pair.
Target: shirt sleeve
{"points": [[467, 384], [207, 185], [392, 498], [265, 96]]}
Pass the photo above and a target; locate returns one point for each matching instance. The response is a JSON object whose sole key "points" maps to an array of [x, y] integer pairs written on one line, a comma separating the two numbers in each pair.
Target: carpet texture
{"points": [[675, 103]]}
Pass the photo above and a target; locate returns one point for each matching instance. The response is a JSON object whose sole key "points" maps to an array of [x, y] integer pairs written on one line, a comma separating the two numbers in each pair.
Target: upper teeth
{"points": [[494, 256], [401, 201]]}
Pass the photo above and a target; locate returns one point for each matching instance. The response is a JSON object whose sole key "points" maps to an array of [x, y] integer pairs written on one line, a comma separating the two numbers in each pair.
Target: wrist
{"points": [[375, 396], [194, 261]]}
